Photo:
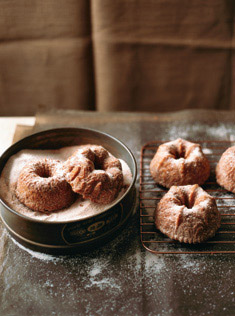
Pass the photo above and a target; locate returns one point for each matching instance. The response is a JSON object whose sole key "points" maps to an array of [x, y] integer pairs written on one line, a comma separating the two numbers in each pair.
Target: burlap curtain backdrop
{"points": [[134, 55]]}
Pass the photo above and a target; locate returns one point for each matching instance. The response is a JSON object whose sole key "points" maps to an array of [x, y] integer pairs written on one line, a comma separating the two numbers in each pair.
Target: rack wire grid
{"points": [[150, 194]]}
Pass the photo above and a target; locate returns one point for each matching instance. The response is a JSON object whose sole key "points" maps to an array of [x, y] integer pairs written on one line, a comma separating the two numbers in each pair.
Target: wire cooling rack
{"points": [[150, 194]]}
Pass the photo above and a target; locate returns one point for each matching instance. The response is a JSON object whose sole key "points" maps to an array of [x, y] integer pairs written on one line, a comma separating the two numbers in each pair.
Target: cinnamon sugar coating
{"points": [[179, 162], [225, 170], [42, 188], [187, 214], [94, 173]]}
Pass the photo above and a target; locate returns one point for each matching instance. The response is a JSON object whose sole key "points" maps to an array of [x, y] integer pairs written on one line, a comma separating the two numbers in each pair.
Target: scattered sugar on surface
{"points": [[35, 254], [96, 270], [96, 267], [221, 131], [102, 281], [153, 264], [167, 283], [48, 283], [207, 151], [187, 262], [97, 273], [103, 284], [232, 137]]}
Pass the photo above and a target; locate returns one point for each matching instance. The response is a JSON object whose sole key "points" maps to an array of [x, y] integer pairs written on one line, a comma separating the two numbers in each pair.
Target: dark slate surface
{"points": [[122, 278]]}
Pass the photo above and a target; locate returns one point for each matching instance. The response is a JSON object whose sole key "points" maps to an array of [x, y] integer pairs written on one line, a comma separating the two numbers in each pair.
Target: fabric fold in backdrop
{"points": [[128, 55]]}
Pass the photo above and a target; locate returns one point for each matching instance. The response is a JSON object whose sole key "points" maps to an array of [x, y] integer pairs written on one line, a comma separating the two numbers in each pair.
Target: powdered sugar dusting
{"points": [[95, 271], [80, 209], [122, 279], [204, 203], [35, 254], [196, 152], [153, 264], [207, 151]]}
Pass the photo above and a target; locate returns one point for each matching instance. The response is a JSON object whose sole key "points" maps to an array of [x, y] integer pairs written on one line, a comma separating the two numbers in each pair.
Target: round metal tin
{"points": [[75, 235]]}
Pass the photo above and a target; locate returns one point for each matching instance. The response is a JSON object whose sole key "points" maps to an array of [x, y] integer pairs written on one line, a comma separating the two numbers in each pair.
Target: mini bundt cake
{"points": [[179, 162], [94, 173], [187, 214], [225, 170], [43, 188]]}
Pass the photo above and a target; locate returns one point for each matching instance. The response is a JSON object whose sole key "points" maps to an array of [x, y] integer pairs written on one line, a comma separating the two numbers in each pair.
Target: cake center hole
{"points": [[98, 165], [44, 173], [180, 153], [188, 203]]}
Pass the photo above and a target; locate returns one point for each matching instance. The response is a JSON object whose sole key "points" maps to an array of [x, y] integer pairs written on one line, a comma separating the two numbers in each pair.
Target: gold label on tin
{"points": [[92, 228], [96, 226]]}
